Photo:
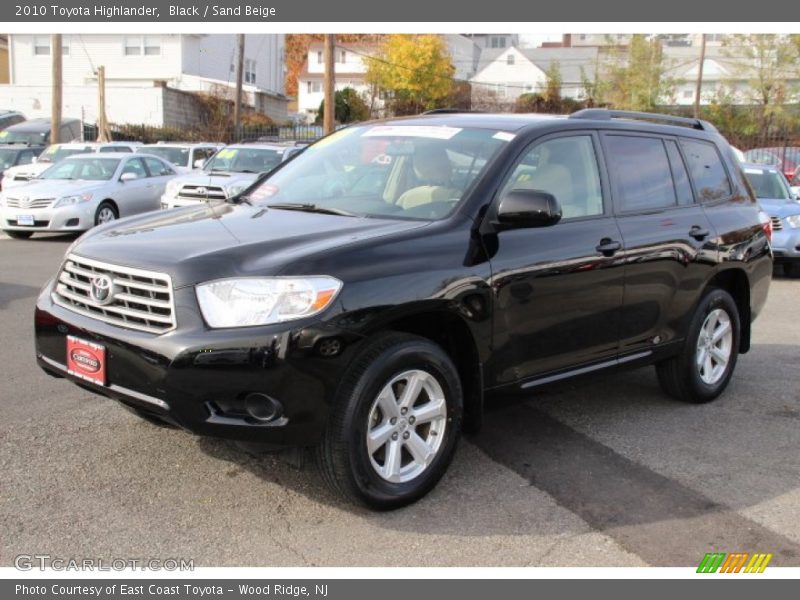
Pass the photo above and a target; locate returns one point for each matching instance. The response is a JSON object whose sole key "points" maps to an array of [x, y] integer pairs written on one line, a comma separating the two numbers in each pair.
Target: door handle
{"points": [[608, 247], [699, 233]]}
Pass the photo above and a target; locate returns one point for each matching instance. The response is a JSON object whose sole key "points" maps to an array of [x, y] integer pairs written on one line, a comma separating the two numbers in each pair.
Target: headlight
{"points": [[70, 200], [261, 301], [2, 200], [793, 220], [233, 190], [173, 187]]}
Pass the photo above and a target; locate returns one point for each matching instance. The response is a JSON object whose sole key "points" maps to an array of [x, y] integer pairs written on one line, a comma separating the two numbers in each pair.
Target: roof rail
{"points": [[446, 111], [604, 114]]}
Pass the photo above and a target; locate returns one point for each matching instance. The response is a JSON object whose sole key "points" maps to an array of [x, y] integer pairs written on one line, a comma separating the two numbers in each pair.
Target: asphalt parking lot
{"points": [[602, 472]]}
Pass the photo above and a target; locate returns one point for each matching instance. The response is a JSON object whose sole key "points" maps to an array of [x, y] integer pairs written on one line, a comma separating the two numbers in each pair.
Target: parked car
{"points": [[9, 118], [783, 208], [184, 156], [786, 158], [85, 190], [20, 175], [364, 297], [36, 132], [229, 172], [14, 156]]}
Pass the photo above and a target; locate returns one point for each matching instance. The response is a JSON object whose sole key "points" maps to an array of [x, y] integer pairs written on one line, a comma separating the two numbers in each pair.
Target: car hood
{"points": [[219, 240], [779, 208], [222, 179], [30, 170], [57, 188]]}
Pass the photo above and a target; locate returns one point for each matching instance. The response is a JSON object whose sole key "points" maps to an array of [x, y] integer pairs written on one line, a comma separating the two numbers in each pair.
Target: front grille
{"points": [[141, 299], [202, 192], [777, 224], [29, 202]]}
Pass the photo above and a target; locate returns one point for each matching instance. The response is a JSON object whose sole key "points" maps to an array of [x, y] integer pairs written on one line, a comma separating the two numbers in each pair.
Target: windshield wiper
{"points": [[312, 208]]}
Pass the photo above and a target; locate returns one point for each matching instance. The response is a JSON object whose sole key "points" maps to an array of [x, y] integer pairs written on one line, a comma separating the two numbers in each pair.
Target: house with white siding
{"points": [[150, 79]]}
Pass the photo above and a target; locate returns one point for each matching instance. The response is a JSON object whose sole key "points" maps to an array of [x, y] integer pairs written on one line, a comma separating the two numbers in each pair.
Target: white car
{"points": [[22, 174], [83, 191], [232, 170], [184, 156]]}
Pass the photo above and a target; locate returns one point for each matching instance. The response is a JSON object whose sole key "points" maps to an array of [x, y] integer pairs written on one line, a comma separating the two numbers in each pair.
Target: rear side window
{"points": [[641, 173], [705, 166], [679, 174]]}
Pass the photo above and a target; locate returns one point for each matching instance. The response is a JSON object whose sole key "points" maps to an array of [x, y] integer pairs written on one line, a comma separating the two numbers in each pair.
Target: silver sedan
{"points": [[83, 191]]}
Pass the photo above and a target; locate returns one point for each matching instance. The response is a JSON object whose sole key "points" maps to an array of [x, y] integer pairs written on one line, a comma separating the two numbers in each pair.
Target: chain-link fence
{"points": [[149, 135]]}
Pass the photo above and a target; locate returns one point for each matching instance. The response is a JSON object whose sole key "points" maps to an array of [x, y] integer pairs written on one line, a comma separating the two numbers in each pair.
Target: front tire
{"points": [[701, 372], [18, 235], [105, 213], [395, 423]]}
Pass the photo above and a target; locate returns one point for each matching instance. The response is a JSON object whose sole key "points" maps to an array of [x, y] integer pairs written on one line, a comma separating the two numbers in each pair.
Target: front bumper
{"points": [[66, 218], [198, 378], [786, 244]]}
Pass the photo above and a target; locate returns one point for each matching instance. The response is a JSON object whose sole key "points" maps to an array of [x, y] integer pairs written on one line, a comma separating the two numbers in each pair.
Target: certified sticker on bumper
{"points": [[86, 360]]}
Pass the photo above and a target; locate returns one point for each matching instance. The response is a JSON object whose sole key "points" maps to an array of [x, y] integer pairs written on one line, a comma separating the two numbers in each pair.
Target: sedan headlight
{"points": [[261, 301], [235, 189], [172, 188], [70, 200], [793, 221]]}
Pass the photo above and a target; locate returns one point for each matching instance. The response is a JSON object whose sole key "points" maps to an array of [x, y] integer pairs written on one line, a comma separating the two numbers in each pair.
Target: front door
{"points": [[558, 289]]}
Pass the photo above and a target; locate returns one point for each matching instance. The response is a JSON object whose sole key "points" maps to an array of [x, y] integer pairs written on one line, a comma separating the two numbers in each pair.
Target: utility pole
{"points": [[699, 88], [103, 134], [329, 84], [237, 107], [55, 112]]}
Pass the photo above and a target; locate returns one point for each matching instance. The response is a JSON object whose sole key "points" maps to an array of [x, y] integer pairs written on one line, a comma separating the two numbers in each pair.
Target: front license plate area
{"points": [[26, 220], [86, 360]]}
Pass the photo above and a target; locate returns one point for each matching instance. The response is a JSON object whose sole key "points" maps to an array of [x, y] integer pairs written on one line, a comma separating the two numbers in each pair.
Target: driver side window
{"points": [[565, 167]]}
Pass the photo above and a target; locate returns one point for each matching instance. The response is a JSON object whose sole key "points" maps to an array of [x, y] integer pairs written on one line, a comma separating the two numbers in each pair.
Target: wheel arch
{"points": [[455, 337], [737, 284]]}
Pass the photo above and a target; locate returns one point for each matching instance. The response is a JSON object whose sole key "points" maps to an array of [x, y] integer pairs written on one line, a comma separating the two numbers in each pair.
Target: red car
{"points": [[786, 158]]}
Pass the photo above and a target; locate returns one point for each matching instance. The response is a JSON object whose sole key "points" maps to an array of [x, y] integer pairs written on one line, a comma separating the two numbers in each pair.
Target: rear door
{"points": [[136, 195], [558, 289], [160, 173], [669, 243]]}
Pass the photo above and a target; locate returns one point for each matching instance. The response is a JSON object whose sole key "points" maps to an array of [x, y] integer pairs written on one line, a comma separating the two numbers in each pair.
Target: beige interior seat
{"points": [[433, 171]]}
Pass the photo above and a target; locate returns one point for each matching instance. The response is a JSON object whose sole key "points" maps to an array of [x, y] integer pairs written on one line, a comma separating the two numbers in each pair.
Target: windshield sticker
{"points": [[504, 136], [263, 191], [423, 131], [226, 153], [336, 135], [3, 134], [754, 171]]}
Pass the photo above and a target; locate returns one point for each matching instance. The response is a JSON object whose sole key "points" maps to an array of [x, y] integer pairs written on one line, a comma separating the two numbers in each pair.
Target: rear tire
{"points": [[394, 424], [701, 372], [105, 213], [18, 235]]}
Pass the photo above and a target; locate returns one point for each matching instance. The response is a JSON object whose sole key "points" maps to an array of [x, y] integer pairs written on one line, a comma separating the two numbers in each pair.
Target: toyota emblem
{"points": [[201, 191], [102, 289]]}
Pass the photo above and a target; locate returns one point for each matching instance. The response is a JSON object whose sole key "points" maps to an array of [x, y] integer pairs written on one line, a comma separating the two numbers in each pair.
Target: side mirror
{"points": [[198, 164], [127, 177], [528, 208]]}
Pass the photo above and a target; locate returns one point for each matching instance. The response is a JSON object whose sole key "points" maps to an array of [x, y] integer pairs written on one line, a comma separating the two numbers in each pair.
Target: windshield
{"points": [[769, 184], [32, 138], [93, 169], [7, 157], [392, 171], [175, 154], [245, 160], [56, 152]]}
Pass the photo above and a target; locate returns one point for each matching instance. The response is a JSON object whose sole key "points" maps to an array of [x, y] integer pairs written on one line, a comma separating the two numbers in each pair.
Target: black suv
{"points": [[364, 298]]}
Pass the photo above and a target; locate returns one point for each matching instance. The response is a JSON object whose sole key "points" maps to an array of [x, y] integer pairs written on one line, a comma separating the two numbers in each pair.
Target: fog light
{"points": [[72, 223], [262, 408]]}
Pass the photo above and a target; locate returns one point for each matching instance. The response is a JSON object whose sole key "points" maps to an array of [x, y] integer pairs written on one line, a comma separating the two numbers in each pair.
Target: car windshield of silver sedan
{"points": [[92, 169], [769, 184], [419, 172], [244, 160]]}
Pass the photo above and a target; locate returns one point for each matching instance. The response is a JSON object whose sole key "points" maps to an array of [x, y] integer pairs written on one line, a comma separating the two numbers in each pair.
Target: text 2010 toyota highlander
{"points": [[364, 297]]}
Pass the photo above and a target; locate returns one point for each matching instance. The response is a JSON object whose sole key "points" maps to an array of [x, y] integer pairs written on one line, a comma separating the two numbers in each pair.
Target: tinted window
{"points": [[641, 172], [565, 167], [705, 166], [157, 168], [114, 149], [679, 174], [134, 166]]}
